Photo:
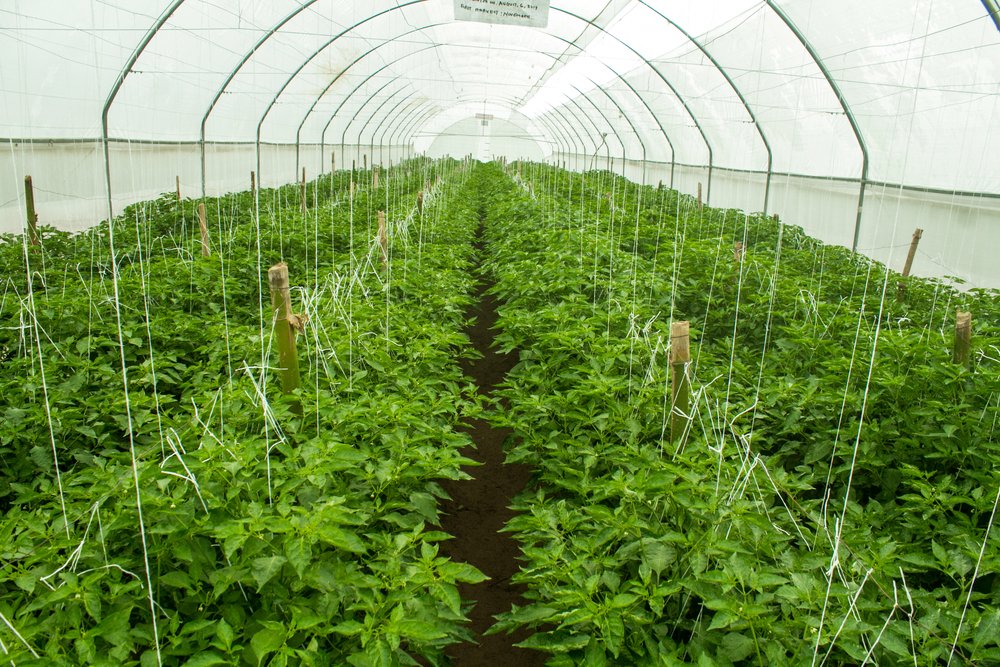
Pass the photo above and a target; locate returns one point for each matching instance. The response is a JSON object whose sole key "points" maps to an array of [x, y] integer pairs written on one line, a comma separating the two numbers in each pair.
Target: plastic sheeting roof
{"points": [[788, 86]]}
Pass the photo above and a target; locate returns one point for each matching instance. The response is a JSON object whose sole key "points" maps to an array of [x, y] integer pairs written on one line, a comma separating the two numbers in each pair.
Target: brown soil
{"points": [[479, 509]]}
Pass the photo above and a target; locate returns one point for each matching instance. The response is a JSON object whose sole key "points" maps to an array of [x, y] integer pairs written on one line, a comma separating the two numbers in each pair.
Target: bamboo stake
{"points": [[302, 190], [205, 252], [281, 307], [29, 203], [680, 386], [383, 239], [908, 264], [178, 189], [963, 337]]}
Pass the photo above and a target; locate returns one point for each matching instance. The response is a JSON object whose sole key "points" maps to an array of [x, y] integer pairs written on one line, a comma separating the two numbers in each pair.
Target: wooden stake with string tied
{"points": [[205, 252], [917, 234], [963, 338], [29, 205], [302, 191], [286, 323], [680, 386], [383, 239]]}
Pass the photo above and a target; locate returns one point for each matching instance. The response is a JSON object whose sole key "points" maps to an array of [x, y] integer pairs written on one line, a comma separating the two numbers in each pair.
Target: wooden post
{"points": [[364, 162], [908, 264], [253, 185], [738, 252], [680, 387], [375, 171], [281, 307], [420, 202], [204, 231], [383, 239], [333, 161], [29, 203], [963, 337], [699, 194], [302, 191], [178, 189]]}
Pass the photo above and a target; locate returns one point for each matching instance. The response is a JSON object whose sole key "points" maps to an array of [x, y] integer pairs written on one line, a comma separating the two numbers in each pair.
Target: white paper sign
{"points": [[528, 13]]}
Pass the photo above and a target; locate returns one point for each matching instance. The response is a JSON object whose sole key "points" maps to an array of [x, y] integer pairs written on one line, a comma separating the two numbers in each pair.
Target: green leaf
{"points": [[175, 579], [555, 642], [264, 569], [461, 572], [267, 641], [736, 646], [420, 630], [225, 633], [342, 539], [206, 659], [299, 554]]}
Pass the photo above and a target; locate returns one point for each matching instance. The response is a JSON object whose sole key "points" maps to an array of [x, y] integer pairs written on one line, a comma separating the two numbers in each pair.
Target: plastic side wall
{"points": [[70, 187], [961, 231]]}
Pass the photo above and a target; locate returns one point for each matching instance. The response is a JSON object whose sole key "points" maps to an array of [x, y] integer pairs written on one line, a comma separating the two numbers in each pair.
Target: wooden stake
{"points": [[333, 161], [699, 194], [178, 189], [29, 203], [375, 178], [420, 202], [364, 161], [963, 337], [738, 252], [383, 239], [908, 264], [281, 307], [680, 386], [204, 231], [253, 185], [302, 190]]}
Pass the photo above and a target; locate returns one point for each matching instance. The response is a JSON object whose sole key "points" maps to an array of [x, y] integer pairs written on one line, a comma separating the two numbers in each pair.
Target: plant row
{"points": [[164, 503], [832, 499]]}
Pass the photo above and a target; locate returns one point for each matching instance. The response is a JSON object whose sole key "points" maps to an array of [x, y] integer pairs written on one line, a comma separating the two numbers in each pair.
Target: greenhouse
{"points": [[499, 332]]}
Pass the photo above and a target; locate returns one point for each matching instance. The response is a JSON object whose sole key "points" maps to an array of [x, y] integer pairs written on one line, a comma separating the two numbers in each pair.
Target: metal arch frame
{"points": [[371, 144], [739, 94], [308, 60], [117, 86], [423, 109], [642, 144], [993, 11], [355, 89], [232, 75], [365, 102], [411, 125], [433, 25], [680, 98], [322, 136], [843, 105], [602, 134], [298, 132], [384, 123]]}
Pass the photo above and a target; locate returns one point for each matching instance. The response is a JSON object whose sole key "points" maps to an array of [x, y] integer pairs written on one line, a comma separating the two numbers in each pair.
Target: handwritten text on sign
{"points": [[529, 13]]}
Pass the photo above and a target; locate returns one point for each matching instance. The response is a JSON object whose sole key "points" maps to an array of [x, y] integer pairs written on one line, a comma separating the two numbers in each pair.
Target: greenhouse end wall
{"points": [[70, 188]]}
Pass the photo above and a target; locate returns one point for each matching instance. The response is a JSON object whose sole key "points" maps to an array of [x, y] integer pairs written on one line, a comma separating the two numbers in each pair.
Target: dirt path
{"points": [[478, 510]]}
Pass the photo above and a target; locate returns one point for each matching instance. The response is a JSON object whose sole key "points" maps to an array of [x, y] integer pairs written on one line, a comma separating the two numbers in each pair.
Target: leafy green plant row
{"points": [[267, 536], [833, 499]]}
